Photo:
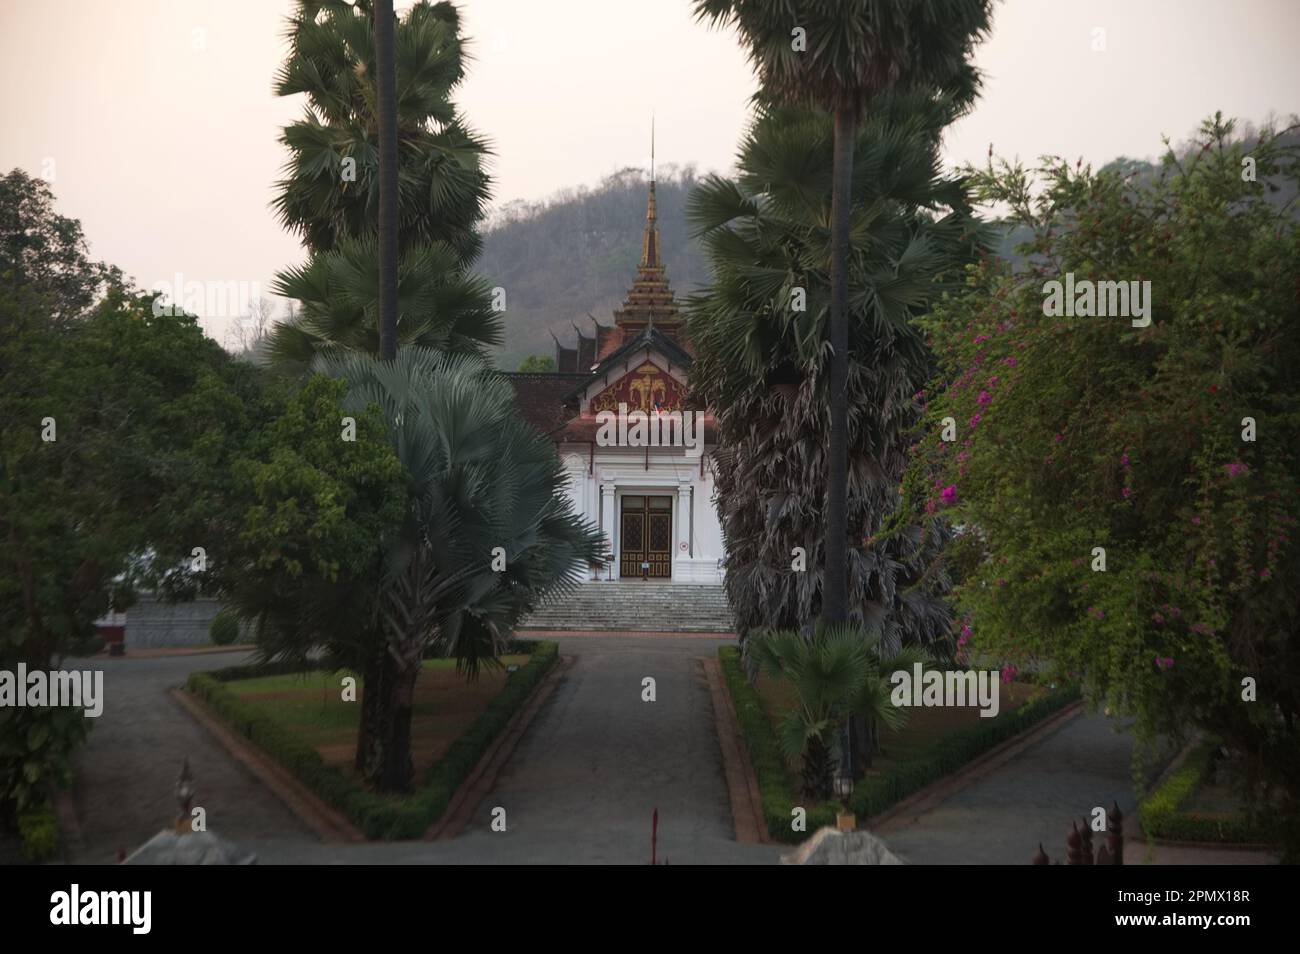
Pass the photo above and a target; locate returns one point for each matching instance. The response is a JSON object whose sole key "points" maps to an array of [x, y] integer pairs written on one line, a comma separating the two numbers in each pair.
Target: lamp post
{"points": [[843, 781]]}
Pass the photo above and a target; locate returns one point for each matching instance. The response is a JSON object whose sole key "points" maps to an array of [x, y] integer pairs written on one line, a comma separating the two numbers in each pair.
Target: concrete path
{"points": [[124, 776], [597, 760], [1002, 817], [580, 787]]}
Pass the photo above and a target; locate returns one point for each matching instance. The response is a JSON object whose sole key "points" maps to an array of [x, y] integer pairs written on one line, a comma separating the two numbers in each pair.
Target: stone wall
{"points": [[153, 623]]}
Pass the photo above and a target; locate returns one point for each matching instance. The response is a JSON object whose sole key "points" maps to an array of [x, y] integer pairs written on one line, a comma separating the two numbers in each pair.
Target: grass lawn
{"points": [[311, 706], [924, 730]]}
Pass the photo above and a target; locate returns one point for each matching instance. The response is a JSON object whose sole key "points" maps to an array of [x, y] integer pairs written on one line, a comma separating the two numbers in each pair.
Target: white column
{"points": [[683, 521], [607, 521]]}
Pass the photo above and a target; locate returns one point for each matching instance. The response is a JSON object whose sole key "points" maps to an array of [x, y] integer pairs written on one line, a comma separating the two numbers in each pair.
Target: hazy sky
{"points": [[156, 122]]}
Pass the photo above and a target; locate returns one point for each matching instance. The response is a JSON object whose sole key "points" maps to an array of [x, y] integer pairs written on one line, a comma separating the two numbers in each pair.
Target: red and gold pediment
{"points": [[647, 388]]}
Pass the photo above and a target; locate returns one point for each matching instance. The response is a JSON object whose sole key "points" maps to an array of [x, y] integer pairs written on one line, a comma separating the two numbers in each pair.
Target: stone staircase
{"points": [[635, 605]]}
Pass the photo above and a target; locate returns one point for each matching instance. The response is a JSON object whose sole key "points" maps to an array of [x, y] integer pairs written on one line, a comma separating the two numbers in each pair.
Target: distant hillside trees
{"points": [[575, 254]]}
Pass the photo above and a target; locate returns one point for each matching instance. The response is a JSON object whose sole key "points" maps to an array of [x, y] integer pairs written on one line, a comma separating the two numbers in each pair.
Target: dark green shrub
{"points": [[224, 628], [39, 830], [377, 816], [1161, 816], [874, 794]]}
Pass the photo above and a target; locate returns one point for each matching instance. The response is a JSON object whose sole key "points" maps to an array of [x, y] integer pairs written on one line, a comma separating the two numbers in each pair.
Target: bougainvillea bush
{"points": [[1126, 494]]}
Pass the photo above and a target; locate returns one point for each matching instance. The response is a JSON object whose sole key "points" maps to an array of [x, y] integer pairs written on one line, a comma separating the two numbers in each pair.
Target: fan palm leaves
{"points": [[762, 364], [488, 531], [840, 56], [439, 306], [832, 674], [442, 183]]}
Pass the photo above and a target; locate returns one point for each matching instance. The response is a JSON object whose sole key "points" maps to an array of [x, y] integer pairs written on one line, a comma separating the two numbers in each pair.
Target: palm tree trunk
{"points": [[373, 698], [398, 767], [864, 734], [818, 770], [387, 82], [835, 595]]}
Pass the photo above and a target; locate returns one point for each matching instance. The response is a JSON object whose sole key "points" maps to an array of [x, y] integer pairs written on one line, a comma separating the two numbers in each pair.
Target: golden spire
{"points": [[650, 237]]}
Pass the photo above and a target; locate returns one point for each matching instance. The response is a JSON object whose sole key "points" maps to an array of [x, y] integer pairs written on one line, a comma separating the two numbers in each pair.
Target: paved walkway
{"points": [[583, 781], [598, 760], [125, 775], [1002, 817], [580, 787]]}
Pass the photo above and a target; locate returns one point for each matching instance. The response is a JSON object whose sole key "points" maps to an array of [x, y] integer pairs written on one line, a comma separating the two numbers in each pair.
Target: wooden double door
{"points": [[646, 535]]}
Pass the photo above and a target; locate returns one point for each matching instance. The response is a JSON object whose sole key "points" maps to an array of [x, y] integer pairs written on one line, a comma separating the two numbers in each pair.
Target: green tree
{"points": [[116, 434], [486, 531], [47, 252], [839, 56], [438, 305], [537, 362], [321, 493], [832, 674], [1122, 519], [442, 184], [759, 331], [386, 81]]}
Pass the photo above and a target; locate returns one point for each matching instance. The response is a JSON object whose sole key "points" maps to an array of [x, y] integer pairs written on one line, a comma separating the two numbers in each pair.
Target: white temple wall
{"points": [[599, 478]]}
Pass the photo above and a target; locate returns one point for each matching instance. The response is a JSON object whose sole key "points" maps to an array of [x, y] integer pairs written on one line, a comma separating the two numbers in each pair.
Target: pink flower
{"points": [[1124, 461], [1236, 469], [949, 495], [1196, 521], [1009, 362], [1058, 438], [1126, 492], [1265, 573], [974, 421], [1160, 620], [1164, 663], [1009, 672], [993, 381], [984, 398], [980, 339]]}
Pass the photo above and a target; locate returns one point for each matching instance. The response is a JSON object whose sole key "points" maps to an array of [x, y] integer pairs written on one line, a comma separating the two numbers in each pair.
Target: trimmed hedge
{"points": [[224, 628], [1160, 817], [385, 817], [38, 828], [874, 794]]}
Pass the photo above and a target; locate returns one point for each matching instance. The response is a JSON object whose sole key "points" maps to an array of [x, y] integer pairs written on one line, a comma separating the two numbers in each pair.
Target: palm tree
{"points": [[479, 479], [332, 190], [835, 673], [849, 53], [760, 363], [438, 305], [386, 80]]}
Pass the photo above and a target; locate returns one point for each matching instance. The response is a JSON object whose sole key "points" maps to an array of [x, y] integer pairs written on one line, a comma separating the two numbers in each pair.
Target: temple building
{"points": [[638, 454]]}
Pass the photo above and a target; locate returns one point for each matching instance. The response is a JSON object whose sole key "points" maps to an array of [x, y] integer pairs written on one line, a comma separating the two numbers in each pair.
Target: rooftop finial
{"points": [[652, 145]]}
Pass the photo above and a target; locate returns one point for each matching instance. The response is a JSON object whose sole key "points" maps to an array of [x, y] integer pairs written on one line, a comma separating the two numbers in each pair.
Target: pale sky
{"points": [[156, 123]]}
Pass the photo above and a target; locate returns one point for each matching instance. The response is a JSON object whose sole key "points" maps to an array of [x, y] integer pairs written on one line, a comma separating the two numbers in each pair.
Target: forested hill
{"points": [[577, 252]]}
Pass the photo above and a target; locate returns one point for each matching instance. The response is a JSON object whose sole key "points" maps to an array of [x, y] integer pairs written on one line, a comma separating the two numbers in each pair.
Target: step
{"points": [[637, 606]]}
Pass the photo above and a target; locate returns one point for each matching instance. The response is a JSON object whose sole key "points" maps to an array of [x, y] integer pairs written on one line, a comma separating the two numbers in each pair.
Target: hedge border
{"points": [[1160, 817], [378, 816], [38, 832], [874, 794]]}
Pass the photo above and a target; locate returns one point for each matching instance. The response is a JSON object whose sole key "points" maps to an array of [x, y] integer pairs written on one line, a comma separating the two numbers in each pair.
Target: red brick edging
{"points": [[460, 810], [327, 822], [742, 784], [920, 802]]}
